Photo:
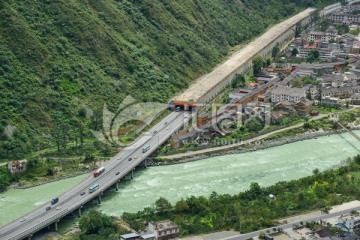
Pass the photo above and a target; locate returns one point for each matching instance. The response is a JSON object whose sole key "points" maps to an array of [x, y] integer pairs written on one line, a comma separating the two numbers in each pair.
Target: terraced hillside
{"points": [[58, 56]]}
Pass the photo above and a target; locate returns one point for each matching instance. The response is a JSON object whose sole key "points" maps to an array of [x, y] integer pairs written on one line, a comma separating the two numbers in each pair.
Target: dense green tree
{"points": [[258, 64], [313, 56], [275, 50], [95, 223], [298, 30], [294, 52], [238, 80], [163, 205]]}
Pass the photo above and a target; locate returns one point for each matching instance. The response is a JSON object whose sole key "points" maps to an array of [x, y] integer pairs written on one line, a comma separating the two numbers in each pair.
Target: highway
{"points": [[118, 167]]}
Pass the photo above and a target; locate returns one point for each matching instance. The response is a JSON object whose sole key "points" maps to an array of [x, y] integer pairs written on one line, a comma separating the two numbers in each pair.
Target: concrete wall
{"points": [[265, 51]]}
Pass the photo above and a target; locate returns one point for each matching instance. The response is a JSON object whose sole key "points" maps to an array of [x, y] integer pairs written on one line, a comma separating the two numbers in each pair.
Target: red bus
{"points": [[99, 171]]}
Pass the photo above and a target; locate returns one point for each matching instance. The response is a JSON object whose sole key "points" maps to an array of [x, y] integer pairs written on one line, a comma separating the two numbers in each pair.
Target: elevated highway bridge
{"points": [[73, 200]]}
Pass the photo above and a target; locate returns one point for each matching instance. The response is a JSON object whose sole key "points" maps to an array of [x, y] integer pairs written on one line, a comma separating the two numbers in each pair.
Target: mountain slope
{"points": [[57, 56]]}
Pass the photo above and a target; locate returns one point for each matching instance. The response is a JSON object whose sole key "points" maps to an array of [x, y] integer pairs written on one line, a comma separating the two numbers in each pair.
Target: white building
{"points": [[282, 93], [351, 222], [326, 36], [345, 18]]}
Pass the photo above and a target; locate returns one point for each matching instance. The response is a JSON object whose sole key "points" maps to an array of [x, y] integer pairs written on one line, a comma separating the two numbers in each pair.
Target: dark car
{"points": [[82, 193], [48, 208], [130, 159], [117, 173]]}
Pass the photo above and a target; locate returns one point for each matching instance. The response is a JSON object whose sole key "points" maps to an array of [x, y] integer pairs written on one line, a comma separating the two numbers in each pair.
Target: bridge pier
{"points": [[79, 211], [145, 163], [99, 198], [56, 226], [132, 174], [117, 186], [29, 237]]}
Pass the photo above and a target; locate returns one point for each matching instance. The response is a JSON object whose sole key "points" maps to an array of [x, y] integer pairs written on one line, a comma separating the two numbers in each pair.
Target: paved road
{"points": [[236, 145], [289, 225], [72, 200]]}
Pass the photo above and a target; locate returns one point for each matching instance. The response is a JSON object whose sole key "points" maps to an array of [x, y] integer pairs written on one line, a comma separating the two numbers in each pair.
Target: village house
{"points": [[355, 99], [17, 166], [340, 92], [330, 101], [303, 107], [283, 93], [345, 18], [164, 230], [329, 34], [350, 222]]}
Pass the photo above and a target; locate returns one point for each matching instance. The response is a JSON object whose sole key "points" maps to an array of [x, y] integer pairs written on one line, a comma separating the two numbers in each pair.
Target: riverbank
{"points": [[252, 145], [16, 186]]}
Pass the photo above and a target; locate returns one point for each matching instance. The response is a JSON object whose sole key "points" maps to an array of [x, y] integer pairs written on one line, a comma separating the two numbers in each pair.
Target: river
{"points": [[224, 174]]}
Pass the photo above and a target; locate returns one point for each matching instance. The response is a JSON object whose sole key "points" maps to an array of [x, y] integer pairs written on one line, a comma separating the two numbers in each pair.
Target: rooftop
{"points": [[163, 225], [129, 235], [282, 90]]}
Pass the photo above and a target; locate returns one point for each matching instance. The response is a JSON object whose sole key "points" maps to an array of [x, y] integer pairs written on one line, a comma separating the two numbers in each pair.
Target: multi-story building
{"points": [[340, 92], [164, 230], [345, 18], [326, 36], [351, 222], [330, 101], [283, 93]]}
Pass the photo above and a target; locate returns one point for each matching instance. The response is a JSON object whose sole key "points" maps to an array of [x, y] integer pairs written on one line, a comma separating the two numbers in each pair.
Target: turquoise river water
{"points": [[223, 174]]}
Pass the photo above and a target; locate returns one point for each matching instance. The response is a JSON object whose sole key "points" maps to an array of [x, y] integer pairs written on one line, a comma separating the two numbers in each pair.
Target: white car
{"points": [[23, 220], [57, 208]]}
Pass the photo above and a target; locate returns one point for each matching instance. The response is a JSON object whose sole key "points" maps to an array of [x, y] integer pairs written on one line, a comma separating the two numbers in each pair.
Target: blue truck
{"points": [[54, 201]]}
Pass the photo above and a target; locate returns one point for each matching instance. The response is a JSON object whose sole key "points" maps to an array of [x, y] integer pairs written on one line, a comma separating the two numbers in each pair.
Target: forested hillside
{"points": [[57, 56]]}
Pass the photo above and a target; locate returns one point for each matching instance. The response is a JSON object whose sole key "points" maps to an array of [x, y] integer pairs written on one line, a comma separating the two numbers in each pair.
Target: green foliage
{"points": [[298, 30], [58, 56], [301, 82], [96, 225], [313, 56], [258, 63], [238, 81], [162, 205], [294, 52], [253, 208], [5, 178], [342, 28], [276, 50]]}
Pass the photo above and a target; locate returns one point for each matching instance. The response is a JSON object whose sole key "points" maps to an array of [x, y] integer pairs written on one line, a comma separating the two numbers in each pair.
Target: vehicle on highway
{"points": [[99, 171], [93, 188], [165, 123], [58, 208], [135, 157], [130, 159], [117, 173], [155, 132], [48, 208], [177, 109], [83, 193], [54, 201], [167, 128], [23, 220], [146, 148]]}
